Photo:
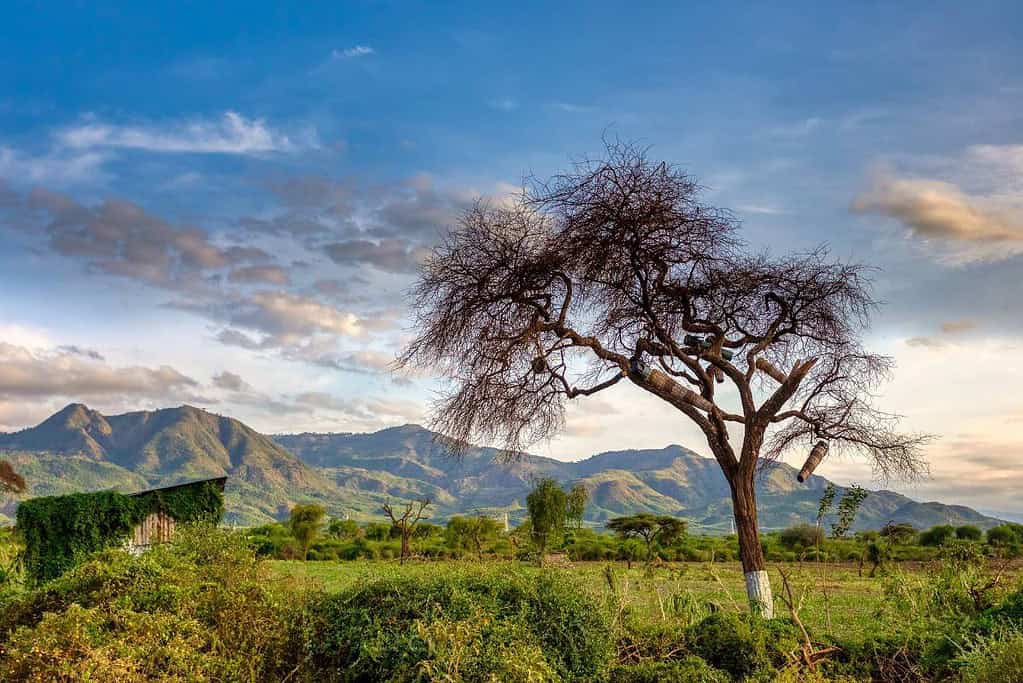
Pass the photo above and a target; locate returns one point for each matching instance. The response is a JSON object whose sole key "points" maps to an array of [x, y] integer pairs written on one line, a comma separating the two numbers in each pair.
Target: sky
{"points": [[225, 204]]}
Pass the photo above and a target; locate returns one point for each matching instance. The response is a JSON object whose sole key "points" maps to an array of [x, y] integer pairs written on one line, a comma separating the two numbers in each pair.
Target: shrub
{"points": [[968, 532], [200, 608], [994, 659], [937, 535], [801, 536], [689, 670], [375, 632], [742, 644]]}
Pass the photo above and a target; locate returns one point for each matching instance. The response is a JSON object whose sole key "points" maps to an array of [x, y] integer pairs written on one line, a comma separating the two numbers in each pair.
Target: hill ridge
{"points": [[78, 448]]}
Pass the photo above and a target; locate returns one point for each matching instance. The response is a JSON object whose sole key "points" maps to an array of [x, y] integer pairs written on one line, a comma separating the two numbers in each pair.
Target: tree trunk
{"points": [[754, 568], [404, 548]]}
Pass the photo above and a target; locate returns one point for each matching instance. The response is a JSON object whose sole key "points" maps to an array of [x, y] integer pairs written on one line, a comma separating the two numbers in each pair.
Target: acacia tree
{"points": [[651, 528], [406, 521], [615, 271]]}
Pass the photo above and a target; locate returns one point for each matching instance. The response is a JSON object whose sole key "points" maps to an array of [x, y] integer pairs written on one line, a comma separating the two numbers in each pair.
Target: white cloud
{"points": [[53, 168], [231, 134], [28, 374], [354, 51]]}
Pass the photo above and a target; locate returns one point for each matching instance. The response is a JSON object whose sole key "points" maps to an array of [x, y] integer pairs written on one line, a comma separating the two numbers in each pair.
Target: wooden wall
{"points": [[156, 528]]}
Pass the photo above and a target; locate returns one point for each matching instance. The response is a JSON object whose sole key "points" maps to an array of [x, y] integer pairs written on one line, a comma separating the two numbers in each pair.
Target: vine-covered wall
{"points": [[58, 530]]}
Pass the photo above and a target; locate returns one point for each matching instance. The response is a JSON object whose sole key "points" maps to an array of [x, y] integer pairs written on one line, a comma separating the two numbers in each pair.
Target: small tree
{"points": [[968, 532], [651, 528], [938, 535], [304, 524], [801, 537], [343, 528], [576, 505], [898, 533], [471, 533], [617, 272], [848, 506], [406, 521], [547, 505]]}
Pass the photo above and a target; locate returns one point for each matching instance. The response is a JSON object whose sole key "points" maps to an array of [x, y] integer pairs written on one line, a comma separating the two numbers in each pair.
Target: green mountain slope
{"points": [[77, 449]]}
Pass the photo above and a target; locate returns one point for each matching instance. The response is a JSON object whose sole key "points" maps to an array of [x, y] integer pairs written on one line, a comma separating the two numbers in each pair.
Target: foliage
{"points": [[472, 534], [59, 530], [651, 528], [305, 522], [344, 528], [575, 504], [376, 631], [1007, 538], [848, 506], [968, 532], [198, 609], [741, 644], [547, 510], [898, 533], [801, 537], [997, 658], [824, 505], [688, 670], [937, 535]]}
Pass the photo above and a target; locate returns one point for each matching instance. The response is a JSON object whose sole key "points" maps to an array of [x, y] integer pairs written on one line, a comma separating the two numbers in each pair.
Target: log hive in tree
{"points": [[812, 460]]}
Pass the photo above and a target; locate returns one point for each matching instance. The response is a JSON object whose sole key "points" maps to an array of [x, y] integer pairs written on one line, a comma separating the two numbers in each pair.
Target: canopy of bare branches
{"points": [[616, 270]]}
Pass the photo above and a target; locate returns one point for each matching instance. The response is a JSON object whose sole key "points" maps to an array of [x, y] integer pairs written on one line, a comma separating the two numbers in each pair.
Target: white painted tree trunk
{"points": [[758, 588]]}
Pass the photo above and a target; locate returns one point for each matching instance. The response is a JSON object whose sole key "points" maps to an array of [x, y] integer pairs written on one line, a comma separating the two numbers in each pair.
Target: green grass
{"points": [[855, 603]]}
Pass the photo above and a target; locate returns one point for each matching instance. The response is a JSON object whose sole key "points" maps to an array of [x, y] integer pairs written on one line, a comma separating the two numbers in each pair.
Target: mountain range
{"points": [[79, 449]]}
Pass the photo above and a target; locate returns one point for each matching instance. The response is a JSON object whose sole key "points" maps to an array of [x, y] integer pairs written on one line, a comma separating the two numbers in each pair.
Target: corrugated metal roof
{"points": [[221, 481]]}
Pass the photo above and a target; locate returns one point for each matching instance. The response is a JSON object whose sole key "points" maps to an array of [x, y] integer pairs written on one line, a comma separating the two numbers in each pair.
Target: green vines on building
{"points": [[58, 530]]}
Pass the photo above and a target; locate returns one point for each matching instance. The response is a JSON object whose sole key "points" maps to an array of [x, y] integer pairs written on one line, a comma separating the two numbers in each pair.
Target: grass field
{"points": [[857, 605]]}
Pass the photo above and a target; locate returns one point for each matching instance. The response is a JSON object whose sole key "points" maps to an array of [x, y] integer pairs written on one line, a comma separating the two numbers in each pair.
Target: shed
{"points": [[158, 526]]}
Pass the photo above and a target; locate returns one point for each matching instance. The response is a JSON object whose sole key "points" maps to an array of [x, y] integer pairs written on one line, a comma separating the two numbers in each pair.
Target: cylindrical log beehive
{"points": [[666, 384], [817, 454]]}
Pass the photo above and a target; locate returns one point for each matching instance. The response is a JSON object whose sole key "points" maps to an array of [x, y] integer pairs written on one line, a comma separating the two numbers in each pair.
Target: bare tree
{"points": [[406, 521], [615, 271], [10, 480]]}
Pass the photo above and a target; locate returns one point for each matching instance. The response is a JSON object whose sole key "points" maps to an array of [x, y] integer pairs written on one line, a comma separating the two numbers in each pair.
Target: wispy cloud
{"points": [[504, 104], [55, 167], [352, 52], [232, 133]]}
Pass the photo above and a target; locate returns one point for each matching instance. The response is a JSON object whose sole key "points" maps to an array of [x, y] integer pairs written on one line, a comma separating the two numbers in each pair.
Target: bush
{"points": [[937, 535], [968, 532], [200, 608], [689, 670], [741, 645], [995, 659], [376, 632], [801, 536]]}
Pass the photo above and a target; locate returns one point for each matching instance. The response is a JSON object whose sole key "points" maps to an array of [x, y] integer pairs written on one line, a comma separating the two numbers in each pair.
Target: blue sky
{"points": [[224, 205]]}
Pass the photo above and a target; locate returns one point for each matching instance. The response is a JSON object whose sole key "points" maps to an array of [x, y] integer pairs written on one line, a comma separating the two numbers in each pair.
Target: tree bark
{"points": [[751, 553], [404, 548]]}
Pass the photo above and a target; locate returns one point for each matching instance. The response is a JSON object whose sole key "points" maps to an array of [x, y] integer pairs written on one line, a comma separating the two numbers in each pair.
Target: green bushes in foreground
{"points": [[388, 629], [205, 608]]}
